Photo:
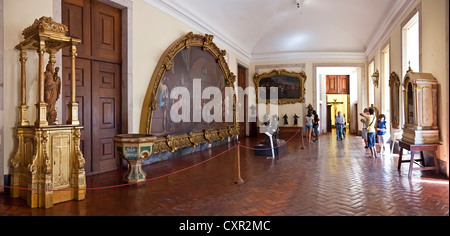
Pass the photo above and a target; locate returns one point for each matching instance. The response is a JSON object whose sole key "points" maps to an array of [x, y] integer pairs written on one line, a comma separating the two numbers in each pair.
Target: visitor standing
{"points": [[382, 133], [364, 128], [309, 125], [370, 122], [316, 125], [339, 122]]}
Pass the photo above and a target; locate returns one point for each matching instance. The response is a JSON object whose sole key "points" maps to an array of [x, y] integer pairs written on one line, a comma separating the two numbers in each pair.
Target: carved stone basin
{"points": [[134, 148]]}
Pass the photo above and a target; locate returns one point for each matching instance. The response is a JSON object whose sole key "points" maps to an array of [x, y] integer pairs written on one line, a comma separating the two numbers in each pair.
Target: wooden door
{"points": [[98, 64], [76, 15], [106, 41], [343, 83], [106, 118], [332, 84], [242, 82], [83, 98], [329, 126], [338, 84]]}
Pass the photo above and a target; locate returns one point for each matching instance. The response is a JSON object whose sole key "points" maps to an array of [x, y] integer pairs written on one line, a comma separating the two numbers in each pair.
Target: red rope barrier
{"points": [[265, 149], [127, 184], [154, 178]]}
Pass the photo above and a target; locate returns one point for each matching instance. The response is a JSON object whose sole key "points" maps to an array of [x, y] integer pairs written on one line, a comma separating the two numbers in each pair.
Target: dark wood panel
{"points": [[98, 25], [83, 98], [332, 84], [338, 84], [242, 82], [106, 118], [343, 83], [76, 14], [107, 24]]}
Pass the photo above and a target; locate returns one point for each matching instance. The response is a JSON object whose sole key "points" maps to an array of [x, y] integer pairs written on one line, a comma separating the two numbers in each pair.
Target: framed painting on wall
{"points": [[289, 85]]}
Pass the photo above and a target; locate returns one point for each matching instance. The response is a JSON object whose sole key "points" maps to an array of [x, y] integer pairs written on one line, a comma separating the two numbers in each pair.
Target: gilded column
{"points": [[73, 105], [41, 106], [23, 109]]}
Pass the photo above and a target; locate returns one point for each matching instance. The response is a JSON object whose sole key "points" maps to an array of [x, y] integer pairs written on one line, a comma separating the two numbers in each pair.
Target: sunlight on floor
{"points": [[431, 181]]}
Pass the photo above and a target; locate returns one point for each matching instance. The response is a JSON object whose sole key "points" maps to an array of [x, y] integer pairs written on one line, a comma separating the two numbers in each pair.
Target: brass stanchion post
{"points": [[239, 179], [301, 137]]}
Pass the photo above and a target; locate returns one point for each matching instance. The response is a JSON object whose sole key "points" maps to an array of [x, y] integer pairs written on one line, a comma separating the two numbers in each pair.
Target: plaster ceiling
{"points": [[273, 27]]}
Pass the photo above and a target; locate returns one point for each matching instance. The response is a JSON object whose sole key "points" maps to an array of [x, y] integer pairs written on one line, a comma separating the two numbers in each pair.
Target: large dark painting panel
{"points": [[288, 87], [189, 64]]}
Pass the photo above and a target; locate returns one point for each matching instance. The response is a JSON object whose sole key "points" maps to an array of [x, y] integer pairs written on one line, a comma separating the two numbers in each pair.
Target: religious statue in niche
{"points": [[52, 91], [285, 117], [296, 119]]}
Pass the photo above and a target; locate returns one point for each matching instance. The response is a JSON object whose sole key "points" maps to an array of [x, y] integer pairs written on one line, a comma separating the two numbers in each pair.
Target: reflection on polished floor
{"points": [[327, 178]]}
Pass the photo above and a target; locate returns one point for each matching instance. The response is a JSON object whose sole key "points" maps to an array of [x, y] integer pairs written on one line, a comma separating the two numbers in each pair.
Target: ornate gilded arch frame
{"points": [[174, 143], [394, 84], [274, 75]]}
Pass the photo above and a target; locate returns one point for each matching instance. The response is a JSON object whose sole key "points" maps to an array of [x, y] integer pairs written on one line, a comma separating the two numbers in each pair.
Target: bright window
{"points": [[411, 44]]}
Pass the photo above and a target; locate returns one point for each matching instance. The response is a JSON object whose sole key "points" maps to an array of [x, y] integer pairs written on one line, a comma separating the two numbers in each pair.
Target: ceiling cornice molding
{"points": [[392, 19], [309, 56], [181, 14]]}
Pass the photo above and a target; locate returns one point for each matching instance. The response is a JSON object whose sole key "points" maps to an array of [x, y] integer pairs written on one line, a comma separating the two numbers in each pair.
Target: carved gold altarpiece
{"points": [[48, 165]]}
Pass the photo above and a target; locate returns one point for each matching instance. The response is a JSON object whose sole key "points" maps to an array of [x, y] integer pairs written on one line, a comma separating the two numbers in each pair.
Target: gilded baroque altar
{"points": [[48, 165]]}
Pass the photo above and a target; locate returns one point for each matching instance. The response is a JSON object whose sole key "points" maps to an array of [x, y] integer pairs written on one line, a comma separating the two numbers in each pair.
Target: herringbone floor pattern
{"points": [[328, 178]]}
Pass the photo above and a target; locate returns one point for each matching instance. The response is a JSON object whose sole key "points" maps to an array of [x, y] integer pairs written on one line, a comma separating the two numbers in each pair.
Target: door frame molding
{"points": [[126, 6], [319, 86]]}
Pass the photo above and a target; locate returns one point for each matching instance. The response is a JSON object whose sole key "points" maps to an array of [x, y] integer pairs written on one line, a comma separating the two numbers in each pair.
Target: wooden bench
{"points": [[413, 148]]}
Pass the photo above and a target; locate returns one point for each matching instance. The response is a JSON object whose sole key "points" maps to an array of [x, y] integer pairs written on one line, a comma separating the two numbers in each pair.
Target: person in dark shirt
{"points": [[316, 126]]}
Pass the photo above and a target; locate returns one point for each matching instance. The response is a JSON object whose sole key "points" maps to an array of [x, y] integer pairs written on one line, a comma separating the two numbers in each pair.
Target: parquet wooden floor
{"points": [[327, 178]]}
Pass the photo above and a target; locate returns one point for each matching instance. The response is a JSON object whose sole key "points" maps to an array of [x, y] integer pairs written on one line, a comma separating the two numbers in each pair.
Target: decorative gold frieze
{"points": [[174, 143], [45, 25], [196, 138]]}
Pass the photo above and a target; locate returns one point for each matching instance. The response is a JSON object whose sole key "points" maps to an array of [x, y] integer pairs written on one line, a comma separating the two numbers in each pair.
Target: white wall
{"points": [[434, 60], [15, 19]]}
